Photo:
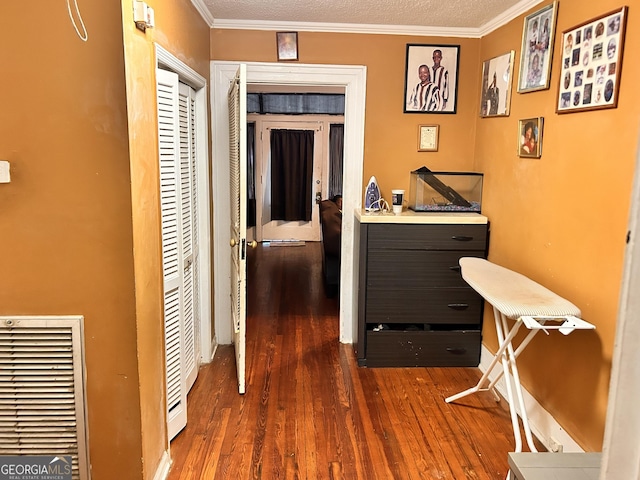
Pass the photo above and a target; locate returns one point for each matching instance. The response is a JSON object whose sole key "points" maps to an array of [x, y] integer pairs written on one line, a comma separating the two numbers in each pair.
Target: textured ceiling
{"points": [[465, 14]]}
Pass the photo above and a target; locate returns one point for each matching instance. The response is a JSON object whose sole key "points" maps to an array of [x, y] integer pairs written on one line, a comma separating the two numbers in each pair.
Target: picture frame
{"points": [[592, 63], [536, 53], [428, 138], [497, 79], [287, 46], [438, 93], [530, 137]]}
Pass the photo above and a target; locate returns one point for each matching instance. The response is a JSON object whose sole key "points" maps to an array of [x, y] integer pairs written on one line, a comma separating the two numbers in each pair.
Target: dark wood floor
{"points": [[311, 413]]}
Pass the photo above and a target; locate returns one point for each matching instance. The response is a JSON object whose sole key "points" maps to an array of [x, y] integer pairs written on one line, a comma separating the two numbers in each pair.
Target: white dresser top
{"points": [[409, 216]]}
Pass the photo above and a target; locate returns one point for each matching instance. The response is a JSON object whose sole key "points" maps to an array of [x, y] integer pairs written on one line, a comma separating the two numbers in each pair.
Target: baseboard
{"points": [[542, 424], [162, 472], [214, 347]]}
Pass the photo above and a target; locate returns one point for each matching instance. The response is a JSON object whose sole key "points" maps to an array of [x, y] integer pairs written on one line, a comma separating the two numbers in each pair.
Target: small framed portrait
{"points": [[537, 49], [594, 47], [287, 45], [530, 137], [428, 138], [431, 78], [497, 78]]}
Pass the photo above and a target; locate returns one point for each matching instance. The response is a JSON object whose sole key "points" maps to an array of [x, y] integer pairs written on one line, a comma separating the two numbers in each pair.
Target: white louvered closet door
{"points": [[188, 208], [172, 261]]}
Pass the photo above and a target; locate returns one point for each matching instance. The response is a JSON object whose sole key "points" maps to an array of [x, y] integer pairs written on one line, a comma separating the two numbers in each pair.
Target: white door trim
{"points": [[353, 79], [189, 76]]}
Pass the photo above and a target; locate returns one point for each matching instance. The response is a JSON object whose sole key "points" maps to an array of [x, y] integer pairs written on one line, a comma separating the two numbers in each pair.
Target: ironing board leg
{"points": [[507, 378], [513, 369]]}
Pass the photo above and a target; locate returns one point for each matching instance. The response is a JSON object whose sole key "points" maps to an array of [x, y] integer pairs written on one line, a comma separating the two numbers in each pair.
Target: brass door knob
{"points": [[233, 242], [253, 244]]}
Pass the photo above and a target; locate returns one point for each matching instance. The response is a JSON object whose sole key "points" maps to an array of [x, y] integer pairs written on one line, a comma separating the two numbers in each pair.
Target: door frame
{"points": [[166, 60], [353, 79], [319, 124]]}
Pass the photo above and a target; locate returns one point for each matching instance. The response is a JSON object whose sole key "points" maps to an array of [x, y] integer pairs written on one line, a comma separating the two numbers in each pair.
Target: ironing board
{"points": [[518, 298]]}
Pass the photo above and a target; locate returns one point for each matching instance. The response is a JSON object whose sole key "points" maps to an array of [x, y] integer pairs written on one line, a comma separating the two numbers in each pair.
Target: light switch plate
{"points": [[5, 177]]}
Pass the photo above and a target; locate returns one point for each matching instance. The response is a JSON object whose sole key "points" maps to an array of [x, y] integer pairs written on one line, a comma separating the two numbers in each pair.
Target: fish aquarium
{"points": [[445, 191]]}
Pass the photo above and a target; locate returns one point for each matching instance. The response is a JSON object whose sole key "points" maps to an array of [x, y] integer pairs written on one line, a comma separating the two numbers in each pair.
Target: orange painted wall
{"points": [[79, 229], [180, 30], [391, 137], [561, 219], [66, 234]]}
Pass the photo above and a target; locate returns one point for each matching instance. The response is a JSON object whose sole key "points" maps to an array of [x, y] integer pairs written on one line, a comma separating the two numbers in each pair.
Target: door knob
{"points": [[253, 244], [233, 242]]}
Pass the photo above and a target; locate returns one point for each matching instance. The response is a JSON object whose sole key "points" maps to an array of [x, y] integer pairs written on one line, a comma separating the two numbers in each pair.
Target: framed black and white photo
{"points": [[497, 78], [537, 49], [591, 63], [431, 78], [287, 45]]}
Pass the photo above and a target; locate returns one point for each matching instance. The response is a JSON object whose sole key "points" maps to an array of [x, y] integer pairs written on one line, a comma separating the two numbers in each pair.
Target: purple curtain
{"points": [[291, 174]]}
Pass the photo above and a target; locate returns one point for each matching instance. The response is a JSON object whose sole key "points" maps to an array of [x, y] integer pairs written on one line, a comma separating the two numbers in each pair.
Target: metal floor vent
{"points": [[42, 389]]}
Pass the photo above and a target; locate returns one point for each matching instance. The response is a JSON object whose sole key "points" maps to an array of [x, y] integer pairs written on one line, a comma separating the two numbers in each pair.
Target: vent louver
{"points": [[42, 389]]}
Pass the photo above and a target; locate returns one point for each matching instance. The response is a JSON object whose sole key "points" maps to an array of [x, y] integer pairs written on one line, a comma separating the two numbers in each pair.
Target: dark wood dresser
{"points": [[414, 308]]}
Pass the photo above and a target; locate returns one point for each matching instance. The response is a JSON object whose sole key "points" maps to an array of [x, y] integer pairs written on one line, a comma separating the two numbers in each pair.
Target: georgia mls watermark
{"points": [[35, 467]]}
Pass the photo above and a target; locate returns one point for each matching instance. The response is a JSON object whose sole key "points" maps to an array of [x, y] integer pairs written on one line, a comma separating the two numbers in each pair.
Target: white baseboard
{"points": [[542, 424], [162, 472], [214, 347]]}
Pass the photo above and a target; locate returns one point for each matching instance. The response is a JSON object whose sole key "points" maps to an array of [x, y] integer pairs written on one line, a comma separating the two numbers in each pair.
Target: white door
{"points": [[172, 262], [188, 218], [237, 98], [178, 194], [267, 229]]}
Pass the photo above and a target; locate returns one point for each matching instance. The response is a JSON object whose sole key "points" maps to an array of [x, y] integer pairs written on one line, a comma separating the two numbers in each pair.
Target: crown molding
{"points": [[347, 28], [204, 12], [506, 16], [410, 30]]}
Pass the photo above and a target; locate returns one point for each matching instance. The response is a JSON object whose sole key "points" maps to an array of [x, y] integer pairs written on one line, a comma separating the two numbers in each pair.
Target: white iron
{"points": [[372, 196]]}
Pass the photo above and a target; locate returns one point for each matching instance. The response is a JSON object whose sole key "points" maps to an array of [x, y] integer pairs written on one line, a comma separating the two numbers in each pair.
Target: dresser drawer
{"points": [[435, 237], [460, 348], [420, 305], [400, 270]]}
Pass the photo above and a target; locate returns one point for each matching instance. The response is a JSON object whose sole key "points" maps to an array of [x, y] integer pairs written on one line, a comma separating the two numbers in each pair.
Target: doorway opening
{"points": [[353, 80], [324, 177]]}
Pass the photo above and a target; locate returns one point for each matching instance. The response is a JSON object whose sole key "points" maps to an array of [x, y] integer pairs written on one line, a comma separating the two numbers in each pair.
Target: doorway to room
{"points": [[323, 176], [353, 80]]}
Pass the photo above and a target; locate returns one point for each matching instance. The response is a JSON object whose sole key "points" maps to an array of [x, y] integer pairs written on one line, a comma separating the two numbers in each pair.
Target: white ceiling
{"points": [[463, 18]]}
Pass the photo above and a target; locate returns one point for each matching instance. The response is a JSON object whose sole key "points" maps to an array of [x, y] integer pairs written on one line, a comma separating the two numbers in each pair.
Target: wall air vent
{"points": [[42, 389]]}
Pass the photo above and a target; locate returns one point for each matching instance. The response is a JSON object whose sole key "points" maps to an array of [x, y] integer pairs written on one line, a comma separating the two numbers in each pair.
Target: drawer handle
{"points": [[456, 350], [455, 268], [458, 306], [462, 238]]}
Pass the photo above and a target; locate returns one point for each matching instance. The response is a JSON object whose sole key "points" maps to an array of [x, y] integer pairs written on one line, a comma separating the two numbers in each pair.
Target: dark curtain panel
{"points": [[251, 175], [291, 174], [336, 154]]}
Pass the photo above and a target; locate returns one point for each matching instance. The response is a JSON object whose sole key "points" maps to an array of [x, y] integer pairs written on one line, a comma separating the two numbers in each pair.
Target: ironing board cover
{"points": [[513, 294]]}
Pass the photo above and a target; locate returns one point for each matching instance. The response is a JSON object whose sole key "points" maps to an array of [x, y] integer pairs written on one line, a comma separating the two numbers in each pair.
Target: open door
{"points": [[238, 201]]}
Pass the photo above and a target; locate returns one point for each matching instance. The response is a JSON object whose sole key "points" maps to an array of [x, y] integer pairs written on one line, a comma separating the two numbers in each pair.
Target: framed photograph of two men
{"points": [[431, 78]]}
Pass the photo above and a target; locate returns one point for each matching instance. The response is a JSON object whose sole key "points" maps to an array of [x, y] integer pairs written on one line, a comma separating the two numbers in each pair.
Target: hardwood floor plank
{"points": [[310, 412]]}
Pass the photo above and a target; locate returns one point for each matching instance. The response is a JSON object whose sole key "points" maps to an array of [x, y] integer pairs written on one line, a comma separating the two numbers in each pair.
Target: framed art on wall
{"points": [[537, 49], [428, 138], [496, 85], [431, 78], [530, 137], [591, 63], [287, 45]]}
